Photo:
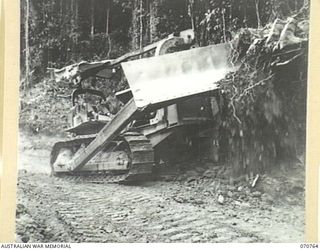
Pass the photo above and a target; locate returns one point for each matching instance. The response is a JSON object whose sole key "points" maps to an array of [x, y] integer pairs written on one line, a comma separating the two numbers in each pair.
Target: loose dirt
{"points": [[193, 205]]}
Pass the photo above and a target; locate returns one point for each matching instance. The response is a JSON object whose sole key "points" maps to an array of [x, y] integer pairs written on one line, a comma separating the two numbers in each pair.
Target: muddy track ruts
{"points": [[89, 212]]}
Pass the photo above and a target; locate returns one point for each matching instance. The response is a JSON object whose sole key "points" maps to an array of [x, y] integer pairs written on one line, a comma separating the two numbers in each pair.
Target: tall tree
{"points": [[27, 49], [154, 19], [258, 14], [141, 24], [92, 19], [109, 3], [135, 28]]}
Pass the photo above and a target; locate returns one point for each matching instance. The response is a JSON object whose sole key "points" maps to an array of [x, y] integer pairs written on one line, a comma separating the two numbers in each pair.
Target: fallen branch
{"points": [[288, 61], [255, 181], [261, 82], [235, 115], [233, 107]]}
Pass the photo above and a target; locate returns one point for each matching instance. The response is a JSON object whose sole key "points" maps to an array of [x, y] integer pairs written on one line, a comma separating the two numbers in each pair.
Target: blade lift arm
{"points": [[105, 136]]}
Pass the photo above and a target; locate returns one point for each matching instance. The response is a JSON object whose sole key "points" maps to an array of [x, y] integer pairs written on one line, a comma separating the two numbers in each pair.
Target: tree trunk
{"points": [[154, 19], [147, 21], [190, 12], [92, 19], [257, 12], [109, 4], [141, 24], [27, 69], [60, 31], [108, 16], [74, 28], [135, 25]]}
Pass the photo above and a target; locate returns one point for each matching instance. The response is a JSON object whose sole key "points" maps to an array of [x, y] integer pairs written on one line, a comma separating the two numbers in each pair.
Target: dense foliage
{"points": [[65, 31]]}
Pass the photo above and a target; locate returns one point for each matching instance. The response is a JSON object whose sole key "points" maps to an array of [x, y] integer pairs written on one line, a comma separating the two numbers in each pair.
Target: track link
{"points": [[138, 148]]}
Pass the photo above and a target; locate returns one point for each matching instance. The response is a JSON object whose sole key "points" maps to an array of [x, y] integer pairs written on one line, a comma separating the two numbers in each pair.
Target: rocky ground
{"points": [[196, 204]]}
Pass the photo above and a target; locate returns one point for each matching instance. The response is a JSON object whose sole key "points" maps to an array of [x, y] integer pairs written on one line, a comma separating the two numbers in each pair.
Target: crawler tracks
{"points": [[136, 146]]}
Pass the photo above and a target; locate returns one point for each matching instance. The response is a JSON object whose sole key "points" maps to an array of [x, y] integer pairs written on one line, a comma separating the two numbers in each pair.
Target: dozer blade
{"points": [[159, 79]]}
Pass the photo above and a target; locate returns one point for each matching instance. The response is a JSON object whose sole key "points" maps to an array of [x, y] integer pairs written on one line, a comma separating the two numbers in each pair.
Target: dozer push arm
{"points": [[111, 130], [106, 135]]}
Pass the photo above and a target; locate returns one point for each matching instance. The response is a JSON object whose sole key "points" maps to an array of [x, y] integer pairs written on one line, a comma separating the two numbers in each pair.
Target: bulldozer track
{"points": [[91, 213], [73, 211], [141, 160]]}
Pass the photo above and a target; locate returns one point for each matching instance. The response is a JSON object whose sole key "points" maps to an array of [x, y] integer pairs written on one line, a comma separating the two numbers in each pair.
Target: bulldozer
{"points": [[171, 103]]}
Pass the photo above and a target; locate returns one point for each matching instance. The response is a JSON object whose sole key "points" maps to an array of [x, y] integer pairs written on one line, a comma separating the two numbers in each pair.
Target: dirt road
{"points": [[52, 209], [196, 208]]}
